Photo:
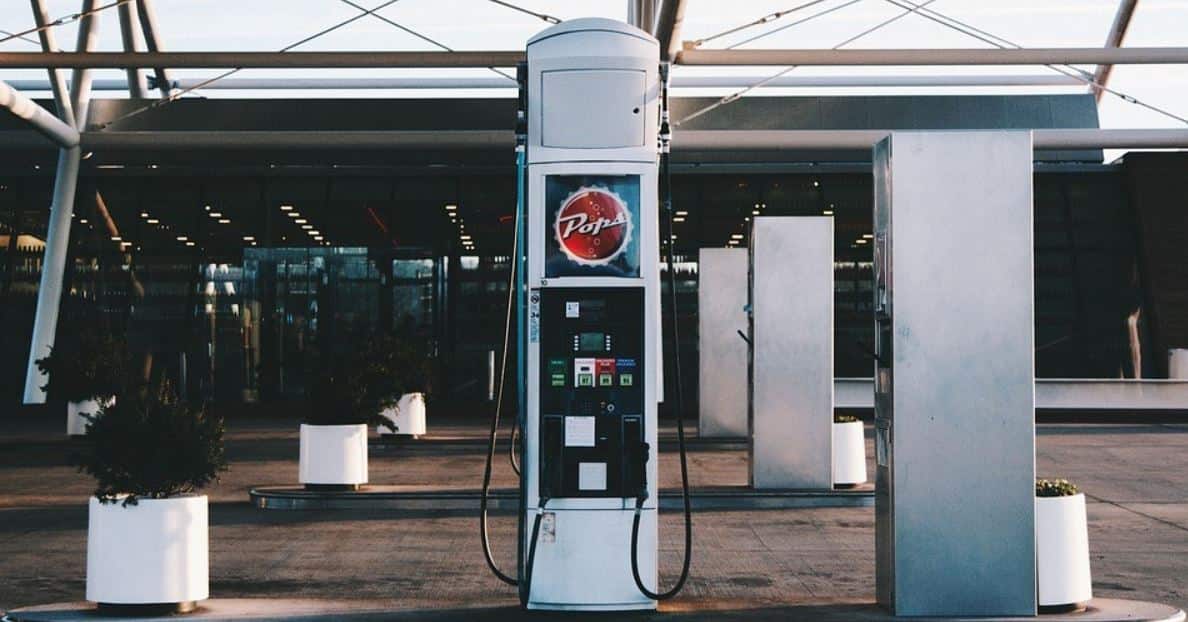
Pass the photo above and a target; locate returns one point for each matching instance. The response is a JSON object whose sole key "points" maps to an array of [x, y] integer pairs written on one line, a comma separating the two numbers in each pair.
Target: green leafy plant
{"points": [[413, 366], [354, 385], [152, 445], [839, 418], [85, 366], [1054, 488]]}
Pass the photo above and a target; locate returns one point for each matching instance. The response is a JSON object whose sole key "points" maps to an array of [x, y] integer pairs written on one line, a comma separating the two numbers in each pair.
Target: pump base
{"points": [[603, 607], [145, 610]]}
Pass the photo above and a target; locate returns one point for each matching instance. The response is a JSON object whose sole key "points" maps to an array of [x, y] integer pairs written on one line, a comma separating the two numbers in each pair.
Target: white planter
{"points": [[1177, 364], [333, 454], [1062, 551], [849, 453], [76, 424], [408, 416], [154, 552]]}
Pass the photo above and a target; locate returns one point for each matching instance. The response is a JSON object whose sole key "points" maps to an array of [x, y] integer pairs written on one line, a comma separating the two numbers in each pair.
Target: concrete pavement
{"points": [[764, 564]]}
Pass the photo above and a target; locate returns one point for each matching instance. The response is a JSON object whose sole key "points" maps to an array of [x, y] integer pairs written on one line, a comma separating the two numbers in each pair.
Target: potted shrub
{"points": [[414, 372], [147, 542], [1063, 582], [849, 451], [348, 390], [86, 370]]}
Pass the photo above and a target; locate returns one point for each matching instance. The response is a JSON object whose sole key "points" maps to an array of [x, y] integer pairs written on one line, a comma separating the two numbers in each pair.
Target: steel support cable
{"points": [[418, 35], [1003, 43], [178, 95], [738, 94], [61, 21], [13, 35], [791, 24], [542, 16], [766, 19]]}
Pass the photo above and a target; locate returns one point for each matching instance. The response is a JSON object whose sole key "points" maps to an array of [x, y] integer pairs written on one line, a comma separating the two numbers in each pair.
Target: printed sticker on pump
{"points": [[534, 317], [591, 476], [579, 431]]}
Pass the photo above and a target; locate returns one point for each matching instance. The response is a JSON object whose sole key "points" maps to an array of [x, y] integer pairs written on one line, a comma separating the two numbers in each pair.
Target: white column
{"points": [[49, 294]]}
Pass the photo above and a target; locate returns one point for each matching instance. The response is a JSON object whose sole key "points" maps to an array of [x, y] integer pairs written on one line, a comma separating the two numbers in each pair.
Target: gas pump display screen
{"points": [[591, 342], [593, 225], [592, 392]]}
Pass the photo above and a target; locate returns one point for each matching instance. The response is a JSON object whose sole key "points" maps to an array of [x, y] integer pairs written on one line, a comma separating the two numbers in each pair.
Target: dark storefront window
{"points": [[223, 284]]}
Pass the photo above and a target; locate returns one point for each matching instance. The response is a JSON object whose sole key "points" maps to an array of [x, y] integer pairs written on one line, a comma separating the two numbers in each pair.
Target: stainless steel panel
{"points": [[955, 508], [608, 99], [721, 313], [791, 297]]}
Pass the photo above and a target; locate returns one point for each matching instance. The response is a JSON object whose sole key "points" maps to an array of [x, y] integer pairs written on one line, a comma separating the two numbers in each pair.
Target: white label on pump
{"points": [[591, 476], [573, 309], [579, 431]]}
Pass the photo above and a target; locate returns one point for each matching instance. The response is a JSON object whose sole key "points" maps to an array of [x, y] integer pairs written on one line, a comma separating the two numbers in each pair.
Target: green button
{"points": [[606, 380], [558, 380], [625, 380], [585, 380]]}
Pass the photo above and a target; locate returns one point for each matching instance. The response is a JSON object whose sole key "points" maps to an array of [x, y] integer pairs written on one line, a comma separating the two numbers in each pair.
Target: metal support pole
{"points": [[496, 82], [260, 60], [137, 88], [49, 294], [937, 56], [684, 141], [57, 239], [668, 27], [40, 118], [50, 46], [148, 23], [1113, 40], [483, 59], [642, 14], [80, 79], [862, 140]]}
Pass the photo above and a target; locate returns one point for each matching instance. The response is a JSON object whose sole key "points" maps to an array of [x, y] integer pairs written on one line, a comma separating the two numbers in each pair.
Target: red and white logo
{"points": [[593, 226]]}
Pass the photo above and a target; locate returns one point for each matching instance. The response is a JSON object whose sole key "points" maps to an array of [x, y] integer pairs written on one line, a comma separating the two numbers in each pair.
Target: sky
{"points": [[242, 25]]}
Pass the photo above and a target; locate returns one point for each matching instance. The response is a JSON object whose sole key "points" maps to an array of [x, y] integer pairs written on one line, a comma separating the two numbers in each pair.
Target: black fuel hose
{"points": [[666, 201]]}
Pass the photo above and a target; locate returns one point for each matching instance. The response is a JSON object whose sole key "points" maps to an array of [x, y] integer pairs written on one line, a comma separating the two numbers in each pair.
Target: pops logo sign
{"points": [[593, 226]]}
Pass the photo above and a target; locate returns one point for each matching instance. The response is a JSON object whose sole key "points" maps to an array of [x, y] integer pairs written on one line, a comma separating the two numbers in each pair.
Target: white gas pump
{"points": [[592, 376]]}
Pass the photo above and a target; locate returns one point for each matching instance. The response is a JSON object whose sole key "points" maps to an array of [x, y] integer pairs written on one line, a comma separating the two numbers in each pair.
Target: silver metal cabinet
{"points": [[722, 353], [955, 381], [791, 372]]}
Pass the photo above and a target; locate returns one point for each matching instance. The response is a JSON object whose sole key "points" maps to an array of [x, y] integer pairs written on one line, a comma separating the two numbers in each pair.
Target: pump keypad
{"points": [[591, 343]]}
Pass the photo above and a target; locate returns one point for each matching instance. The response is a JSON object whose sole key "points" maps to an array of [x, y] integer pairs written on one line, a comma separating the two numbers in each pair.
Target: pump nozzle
{"points": [[645, 454]]}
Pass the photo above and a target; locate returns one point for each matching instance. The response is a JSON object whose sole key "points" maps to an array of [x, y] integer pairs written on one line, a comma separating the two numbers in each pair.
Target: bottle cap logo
{"points": [[593, 226]]}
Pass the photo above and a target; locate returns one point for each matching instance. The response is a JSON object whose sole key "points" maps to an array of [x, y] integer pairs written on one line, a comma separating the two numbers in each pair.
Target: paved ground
{"points": [[756, 564]]}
